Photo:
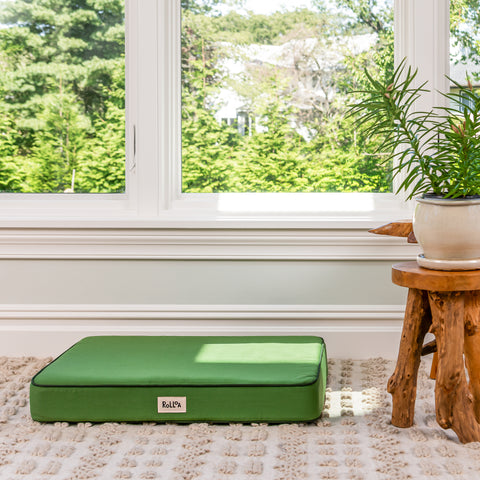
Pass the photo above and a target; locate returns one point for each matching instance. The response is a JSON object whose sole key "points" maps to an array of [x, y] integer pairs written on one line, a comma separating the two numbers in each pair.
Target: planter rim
{"points": [[452, 202]]}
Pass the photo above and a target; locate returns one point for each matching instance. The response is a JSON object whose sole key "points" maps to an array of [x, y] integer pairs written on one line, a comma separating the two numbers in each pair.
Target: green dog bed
{"points": [[183, 379]]}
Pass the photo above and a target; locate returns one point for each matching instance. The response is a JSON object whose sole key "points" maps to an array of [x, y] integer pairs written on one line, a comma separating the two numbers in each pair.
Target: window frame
{"points": [[153, 200]]}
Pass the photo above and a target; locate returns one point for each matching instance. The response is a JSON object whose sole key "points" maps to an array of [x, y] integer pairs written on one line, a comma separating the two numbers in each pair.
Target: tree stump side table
{"points": [[447, 304]]}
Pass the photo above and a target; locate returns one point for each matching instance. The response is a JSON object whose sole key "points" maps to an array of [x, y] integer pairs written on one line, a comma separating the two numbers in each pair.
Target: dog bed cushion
{"points": [[183, 379]]}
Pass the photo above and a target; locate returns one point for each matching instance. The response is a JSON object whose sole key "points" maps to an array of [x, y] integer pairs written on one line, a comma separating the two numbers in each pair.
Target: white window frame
{"points": [[154, 219]]}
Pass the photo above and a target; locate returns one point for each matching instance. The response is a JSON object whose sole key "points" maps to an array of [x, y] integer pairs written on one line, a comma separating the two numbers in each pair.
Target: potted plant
{"points": [[436, 155]]}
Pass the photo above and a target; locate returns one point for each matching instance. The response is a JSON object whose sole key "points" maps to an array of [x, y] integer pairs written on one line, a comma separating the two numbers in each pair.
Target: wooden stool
{"points": [[447, 304]]}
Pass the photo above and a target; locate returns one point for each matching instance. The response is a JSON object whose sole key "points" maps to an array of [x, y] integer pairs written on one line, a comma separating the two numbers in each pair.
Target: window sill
{"points": [[212, 227]]}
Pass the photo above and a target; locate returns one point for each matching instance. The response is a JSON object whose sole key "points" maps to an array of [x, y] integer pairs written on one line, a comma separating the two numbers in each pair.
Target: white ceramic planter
{"points": [[448, 230]]}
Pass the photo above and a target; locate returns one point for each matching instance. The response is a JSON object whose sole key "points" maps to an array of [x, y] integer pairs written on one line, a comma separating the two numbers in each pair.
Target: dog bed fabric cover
{"points": [[183, 379]]}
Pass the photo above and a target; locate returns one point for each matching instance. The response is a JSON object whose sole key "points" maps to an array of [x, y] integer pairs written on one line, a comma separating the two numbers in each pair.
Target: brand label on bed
{"points": [[172, 404]]}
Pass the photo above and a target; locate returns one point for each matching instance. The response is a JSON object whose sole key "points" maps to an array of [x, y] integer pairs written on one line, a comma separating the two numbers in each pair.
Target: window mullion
{"points": [[146, 185], [422, 37]]}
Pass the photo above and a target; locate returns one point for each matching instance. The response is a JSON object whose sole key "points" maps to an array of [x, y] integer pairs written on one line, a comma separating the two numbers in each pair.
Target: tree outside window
{"points": [[62, 96]]}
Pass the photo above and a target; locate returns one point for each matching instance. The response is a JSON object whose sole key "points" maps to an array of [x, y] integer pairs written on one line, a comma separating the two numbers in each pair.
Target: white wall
{"points": [[47, 304]]}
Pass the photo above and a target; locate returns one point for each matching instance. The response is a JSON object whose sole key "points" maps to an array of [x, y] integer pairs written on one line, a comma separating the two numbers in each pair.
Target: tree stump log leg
{"points": [[472, 347], [403, 383], [433, 369], [453, 401]]}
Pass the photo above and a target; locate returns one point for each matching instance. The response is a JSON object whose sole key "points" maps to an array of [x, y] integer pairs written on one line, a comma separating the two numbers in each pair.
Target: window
{"points": [[153, 197], [288, 69], [62, 86]]}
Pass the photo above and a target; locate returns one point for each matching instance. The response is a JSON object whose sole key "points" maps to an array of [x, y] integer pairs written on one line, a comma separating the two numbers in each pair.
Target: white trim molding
{"points": [[216, 244], [359, 331]]}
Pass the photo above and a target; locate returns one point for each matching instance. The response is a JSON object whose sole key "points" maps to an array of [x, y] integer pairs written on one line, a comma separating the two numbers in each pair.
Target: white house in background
{"points": [[310, 62], [460, 70]]}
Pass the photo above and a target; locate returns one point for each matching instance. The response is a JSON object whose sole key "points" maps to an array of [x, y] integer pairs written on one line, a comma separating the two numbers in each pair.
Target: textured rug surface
{"points": [[353, 440]]}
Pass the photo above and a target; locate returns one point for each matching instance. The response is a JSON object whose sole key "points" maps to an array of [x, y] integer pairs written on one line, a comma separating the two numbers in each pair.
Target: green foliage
{"points": [[48, 41], [437, 151], [465, 28], [342, 162], [458, 148], [367, 15], [59, 141], [11, 177], [201, 6], [207, 150], [272, 29], [207, 146], [58, 59], [102, 165], [271, 160], [347, 171]]}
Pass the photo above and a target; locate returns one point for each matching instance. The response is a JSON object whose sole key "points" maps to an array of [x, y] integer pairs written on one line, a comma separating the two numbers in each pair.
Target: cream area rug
{"points": [[353, 440]]}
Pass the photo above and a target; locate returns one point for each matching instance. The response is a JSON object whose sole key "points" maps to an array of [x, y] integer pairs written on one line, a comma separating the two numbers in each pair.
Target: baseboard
{"points": [[354, 331]]}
